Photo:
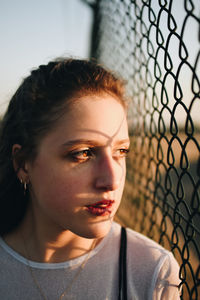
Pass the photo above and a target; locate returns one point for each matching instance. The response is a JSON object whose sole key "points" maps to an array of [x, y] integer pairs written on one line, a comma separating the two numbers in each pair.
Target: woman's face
{"points": [[77, 179]]}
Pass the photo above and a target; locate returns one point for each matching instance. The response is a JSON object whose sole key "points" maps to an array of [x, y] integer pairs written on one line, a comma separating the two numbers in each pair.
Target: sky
{"points": [[33, 32]]}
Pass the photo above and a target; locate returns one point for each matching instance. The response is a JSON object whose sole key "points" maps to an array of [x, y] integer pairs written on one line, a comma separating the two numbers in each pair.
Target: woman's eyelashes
{"points": [[123, 152], [120, 154], [86, 154], [81, 155]]}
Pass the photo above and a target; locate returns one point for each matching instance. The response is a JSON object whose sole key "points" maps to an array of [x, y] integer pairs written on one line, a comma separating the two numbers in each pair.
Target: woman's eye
{"points": [[122, 152], [82, 155]]}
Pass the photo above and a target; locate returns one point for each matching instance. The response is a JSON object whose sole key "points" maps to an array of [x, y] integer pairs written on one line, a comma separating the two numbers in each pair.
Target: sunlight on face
{"points": [[77, 178]]}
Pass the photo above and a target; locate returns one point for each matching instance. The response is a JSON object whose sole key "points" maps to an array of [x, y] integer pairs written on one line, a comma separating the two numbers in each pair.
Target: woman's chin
{"points": [[95, 230]]}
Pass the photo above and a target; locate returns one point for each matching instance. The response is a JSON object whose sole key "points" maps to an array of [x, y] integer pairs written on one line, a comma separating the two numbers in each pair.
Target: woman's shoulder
{"points": [[143, 251], [154, 266], [139, 242]]}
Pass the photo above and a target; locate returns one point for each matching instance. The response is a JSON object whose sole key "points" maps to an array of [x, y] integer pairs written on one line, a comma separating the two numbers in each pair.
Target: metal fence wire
{"points": [[155, 46]]}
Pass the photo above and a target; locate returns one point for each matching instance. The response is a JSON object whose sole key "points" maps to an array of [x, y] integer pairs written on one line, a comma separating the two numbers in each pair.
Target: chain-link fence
{"points": [[155, 46]]}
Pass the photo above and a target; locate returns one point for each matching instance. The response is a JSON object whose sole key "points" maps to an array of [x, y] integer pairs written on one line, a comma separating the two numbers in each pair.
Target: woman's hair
{"points": [[39, 102]]}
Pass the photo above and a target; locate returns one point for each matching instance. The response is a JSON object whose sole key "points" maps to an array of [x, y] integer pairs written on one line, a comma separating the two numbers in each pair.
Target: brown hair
{"points": [[33, 110]]}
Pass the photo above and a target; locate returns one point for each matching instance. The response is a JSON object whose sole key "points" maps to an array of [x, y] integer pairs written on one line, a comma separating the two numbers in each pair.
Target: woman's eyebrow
{"points": [[121, 142], [81, 142], [94, 142]]}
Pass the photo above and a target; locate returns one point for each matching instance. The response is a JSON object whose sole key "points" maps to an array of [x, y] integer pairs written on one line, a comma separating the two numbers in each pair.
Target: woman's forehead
{"points": [[96, 112], [95, 119]]}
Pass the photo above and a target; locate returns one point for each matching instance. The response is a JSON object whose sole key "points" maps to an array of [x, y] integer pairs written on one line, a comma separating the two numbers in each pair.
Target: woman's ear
{"points": [[18, 163]]}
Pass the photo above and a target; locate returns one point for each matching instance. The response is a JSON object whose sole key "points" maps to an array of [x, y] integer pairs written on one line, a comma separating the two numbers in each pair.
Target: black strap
{"points": [[122, 266]]}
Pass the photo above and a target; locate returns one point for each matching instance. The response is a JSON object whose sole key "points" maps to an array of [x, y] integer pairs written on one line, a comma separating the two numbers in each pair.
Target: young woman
{"points": [[63, 146]]}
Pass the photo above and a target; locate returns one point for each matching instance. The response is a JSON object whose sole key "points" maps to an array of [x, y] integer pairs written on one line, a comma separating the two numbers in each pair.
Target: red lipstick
{"points": [[100, 208]]}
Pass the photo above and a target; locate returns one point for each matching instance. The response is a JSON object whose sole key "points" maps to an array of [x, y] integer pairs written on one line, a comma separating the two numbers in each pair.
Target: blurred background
{"points": [[35, 32]]}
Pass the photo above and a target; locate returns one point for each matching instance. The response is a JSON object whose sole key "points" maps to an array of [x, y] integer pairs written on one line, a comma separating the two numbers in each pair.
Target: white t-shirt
{"points": [[152, 272]]}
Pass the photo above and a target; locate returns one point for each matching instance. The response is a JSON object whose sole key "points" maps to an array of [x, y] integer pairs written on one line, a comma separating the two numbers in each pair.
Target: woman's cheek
{"points": [[63, 194]]}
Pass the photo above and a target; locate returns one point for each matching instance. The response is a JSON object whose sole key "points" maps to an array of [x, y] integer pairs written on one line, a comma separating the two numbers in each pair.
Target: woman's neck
{"points": [[65, 247], [39, 243]]}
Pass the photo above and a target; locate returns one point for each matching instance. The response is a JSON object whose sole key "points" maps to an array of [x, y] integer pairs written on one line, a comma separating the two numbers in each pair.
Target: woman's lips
{"points": [[100, 208]]}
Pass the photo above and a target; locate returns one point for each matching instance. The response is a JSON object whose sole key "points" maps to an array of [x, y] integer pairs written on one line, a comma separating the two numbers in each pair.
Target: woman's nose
{"points": [[109, 174]]}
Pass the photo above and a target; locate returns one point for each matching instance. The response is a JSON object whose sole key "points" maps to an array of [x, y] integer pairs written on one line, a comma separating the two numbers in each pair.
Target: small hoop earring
{"points": [[24, 185]]}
